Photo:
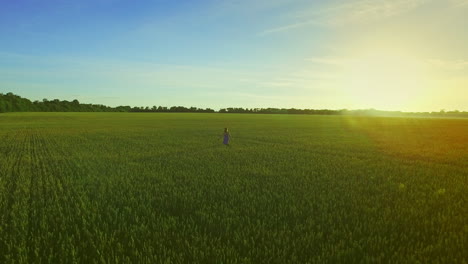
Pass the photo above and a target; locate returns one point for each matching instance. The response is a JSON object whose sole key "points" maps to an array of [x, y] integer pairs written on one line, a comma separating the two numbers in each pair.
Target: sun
{"points": [[385, 80]]}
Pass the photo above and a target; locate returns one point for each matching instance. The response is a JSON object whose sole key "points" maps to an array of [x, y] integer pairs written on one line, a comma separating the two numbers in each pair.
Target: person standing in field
{"points": [[226, 136]]}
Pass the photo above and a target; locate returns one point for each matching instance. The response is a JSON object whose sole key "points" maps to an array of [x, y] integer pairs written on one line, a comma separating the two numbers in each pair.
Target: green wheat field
{"points": [[162, 188]]}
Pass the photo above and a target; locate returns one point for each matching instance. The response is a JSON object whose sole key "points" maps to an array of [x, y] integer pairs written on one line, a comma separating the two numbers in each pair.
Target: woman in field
{"points": [[227, 137]]}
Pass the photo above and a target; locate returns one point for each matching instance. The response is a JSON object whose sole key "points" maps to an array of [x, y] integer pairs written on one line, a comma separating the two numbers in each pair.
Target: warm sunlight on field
{"points": [[385, 79], [431, 140]]}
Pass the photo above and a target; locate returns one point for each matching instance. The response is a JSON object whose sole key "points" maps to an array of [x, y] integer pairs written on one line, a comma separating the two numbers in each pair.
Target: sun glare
{"points": [[386, 81]]}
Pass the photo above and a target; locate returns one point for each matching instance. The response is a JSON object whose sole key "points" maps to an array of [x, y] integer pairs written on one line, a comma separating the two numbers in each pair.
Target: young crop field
{"points": [[162, 188]]}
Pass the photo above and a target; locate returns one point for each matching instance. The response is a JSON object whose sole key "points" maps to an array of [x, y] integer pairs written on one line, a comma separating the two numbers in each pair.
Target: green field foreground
{"points": [[161, 188]]}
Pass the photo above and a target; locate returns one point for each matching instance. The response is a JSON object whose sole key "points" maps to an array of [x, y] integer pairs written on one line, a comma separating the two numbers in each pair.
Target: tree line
{"points": [[13, 103], [10, 102]]}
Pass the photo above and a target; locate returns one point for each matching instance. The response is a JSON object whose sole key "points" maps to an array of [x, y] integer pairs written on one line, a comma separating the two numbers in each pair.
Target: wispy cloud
{"points": [[118, 77], [82, 72], [368, 10], [460, 3], [453, 65], [327, 60], [278, 83], [357, 11], [290, 26]]}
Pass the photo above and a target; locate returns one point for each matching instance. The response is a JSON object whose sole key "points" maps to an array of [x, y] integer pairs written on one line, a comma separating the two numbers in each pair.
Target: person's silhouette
{"points": [[226, 136]]}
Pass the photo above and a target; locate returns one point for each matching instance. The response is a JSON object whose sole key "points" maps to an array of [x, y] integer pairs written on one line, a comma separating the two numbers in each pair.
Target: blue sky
{"points": [[409, 55]]}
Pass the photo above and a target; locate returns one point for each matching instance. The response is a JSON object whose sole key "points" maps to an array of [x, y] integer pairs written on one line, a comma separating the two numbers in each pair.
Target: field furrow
{"points": [[35, 203], [6, 146], [15, 219]]}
